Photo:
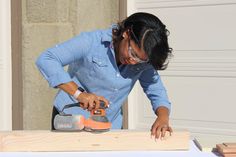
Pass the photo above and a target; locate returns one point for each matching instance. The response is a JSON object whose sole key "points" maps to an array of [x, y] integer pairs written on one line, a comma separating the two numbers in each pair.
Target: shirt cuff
{"points": [[164, 104]]}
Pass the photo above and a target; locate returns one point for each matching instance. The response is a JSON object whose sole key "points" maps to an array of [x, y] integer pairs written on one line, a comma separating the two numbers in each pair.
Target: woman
{"points": [[104, 66]]}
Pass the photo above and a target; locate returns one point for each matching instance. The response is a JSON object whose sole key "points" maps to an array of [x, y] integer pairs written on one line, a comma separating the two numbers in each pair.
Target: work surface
{"points": [[192, 152], [120, 140], [112, 143]]}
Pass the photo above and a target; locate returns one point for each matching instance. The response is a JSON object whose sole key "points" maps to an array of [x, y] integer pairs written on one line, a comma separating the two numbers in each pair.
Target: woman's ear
{"points": [[125, 35]]}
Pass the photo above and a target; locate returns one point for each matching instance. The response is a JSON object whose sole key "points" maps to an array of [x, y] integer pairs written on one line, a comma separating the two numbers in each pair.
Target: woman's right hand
{"points": [[89, 101]]}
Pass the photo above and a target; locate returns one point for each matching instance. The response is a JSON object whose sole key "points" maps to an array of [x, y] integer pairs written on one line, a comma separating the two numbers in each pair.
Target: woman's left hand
{"points": [[160, 127]]}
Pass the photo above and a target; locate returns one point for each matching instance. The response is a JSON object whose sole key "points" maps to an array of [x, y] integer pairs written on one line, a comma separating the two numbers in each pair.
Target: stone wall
{"points": [[45, 23]]}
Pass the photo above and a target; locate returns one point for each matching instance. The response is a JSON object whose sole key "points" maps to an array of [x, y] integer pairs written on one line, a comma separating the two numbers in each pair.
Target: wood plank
{"points": [[209, 144], [122, 140], [230, 144], [223, 149], [229, 155]]}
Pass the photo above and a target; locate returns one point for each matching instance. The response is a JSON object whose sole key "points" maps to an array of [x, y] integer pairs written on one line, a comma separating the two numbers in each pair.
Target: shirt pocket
{"points": [[99, 67], [100, 62]]}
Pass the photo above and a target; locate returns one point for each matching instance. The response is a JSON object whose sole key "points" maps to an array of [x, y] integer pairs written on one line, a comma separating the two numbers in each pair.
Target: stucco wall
{"points": [[45, 23]]}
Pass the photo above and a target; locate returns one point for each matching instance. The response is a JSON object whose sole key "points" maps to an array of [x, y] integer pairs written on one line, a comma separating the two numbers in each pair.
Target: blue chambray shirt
{"points": [[92, 65]]}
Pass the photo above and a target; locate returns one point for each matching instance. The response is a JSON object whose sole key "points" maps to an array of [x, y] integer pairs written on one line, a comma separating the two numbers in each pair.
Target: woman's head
{"points": [[146, 35]]}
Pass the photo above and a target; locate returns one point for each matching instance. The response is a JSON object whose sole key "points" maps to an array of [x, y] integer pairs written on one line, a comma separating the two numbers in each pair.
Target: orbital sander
{"points": [[97, 122]]}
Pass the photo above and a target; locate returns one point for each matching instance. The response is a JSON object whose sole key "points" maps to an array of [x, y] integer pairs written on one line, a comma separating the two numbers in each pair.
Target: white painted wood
{"points": [[5, 66], [201, 77], [156, 4], [203, 63], [132, 7]]}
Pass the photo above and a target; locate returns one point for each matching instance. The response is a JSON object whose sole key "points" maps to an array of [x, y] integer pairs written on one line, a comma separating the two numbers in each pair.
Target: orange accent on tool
{"points": [[94, 125]]}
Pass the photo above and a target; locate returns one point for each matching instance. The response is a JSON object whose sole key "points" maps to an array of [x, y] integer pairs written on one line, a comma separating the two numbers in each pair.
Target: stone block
{"points": [[38, 97], [101, 14], [49, 11], [38, 37]]}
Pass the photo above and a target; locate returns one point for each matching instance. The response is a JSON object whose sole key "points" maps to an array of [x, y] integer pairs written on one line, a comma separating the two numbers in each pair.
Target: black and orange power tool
{"points": [[97, 122]]}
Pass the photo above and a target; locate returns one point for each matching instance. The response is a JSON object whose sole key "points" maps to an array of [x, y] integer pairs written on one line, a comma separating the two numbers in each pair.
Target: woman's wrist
{"points": [[162, 111], [78, 92]]}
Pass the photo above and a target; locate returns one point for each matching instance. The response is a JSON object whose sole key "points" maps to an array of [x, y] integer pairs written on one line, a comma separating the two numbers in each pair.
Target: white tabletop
{"points": [[193, 152]]}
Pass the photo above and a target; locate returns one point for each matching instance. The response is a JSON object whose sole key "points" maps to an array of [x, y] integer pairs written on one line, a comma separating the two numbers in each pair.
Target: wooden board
{"points": [[209, 144], [224, 149], [229, 155], [123, 140], [230, 144]]}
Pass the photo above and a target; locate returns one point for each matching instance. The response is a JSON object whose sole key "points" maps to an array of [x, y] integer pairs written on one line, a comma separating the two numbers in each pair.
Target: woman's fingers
{"points": [[170, 130], [91, 101], [154, 131], [159, 131], [84, 105], [96, 104], [91, 104], [163, 131], [101, 98]]}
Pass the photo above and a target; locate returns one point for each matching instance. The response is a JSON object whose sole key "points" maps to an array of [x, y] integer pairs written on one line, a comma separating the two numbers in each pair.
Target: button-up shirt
{"points": [[93, 66]]}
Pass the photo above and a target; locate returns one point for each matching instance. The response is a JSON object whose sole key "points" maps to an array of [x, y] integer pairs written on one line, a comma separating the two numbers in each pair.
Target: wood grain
{"points": [[123, 140], [230, 144], [229, 155]]}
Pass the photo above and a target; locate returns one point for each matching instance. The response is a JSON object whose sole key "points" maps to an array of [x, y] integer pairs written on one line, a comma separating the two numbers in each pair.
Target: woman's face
{"points": [[129, 51]]}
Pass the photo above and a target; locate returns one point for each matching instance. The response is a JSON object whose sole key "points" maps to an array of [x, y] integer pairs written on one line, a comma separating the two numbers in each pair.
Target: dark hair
{"points": [[147, 28]]}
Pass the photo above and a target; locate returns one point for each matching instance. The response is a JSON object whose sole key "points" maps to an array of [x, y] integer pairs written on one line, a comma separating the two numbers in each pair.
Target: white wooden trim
{"points": [[200, 63], [132, 109], [131, 8], [132, 114], [149, 4], [5, 66]]}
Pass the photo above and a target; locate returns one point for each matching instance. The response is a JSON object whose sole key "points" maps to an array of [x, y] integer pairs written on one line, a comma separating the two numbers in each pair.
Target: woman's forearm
{"points": [[69, 87]]}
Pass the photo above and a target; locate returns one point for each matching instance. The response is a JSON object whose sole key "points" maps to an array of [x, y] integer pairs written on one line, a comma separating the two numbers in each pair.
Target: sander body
{"points": [[97, 122]]}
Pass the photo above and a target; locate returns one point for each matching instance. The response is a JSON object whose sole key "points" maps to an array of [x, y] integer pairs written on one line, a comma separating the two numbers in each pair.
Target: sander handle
{"points": [[102, 106]]}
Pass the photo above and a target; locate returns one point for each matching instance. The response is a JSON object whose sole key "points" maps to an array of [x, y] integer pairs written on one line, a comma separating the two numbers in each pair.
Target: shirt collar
{"points": [[107, 35]]}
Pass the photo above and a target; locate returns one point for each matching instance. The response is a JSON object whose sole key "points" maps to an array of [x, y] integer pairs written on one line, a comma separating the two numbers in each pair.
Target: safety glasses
{"points": [[134, 56]]}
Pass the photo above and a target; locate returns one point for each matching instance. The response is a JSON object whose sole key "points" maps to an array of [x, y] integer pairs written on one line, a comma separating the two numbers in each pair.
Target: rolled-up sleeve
{"points": [[154, 89], [51, 62]]}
